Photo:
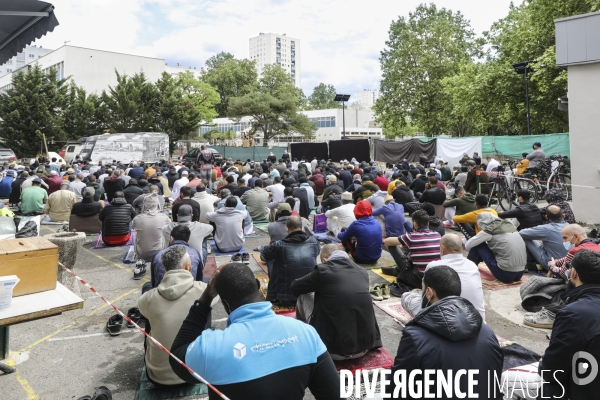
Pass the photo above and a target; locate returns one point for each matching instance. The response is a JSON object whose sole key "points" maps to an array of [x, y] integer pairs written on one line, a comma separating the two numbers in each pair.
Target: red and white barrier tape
{"points": [[191, 371]]}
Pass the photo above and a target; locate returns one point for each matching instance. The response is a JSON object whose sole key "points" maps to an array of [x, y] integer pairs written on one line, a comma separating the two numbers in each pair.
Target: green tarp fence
{"points": [[514, 146], [253, 153]]}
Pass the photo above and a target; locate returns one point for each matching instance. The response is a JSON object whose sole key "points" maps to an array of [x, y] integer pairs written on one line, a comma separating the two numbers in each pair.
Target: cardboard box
{"points": [[33, 260], [7, 285]]}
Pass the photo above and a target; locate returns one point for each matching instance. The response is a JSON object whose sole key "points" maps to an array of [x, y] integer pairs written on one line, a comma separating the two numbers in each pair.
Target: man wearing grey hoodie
{"points": [[500, 246]]}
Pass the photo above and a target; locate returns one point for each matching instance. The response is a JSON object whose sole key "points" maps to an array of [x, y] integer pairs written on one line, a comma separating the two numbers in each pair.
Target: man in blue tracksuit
{"points": [[367, 247], [260, 355]]}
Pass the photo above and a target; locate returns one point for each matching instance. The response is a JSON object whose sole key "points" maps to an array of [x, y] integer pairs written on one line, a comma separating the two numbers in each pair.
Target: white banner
{"points": [[452, 150]]}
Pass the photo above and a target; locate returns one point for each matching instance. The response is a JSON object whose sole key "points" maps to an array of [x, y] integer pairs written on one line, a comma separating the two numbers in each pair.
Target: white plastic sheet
{"points": [[451, 150]]}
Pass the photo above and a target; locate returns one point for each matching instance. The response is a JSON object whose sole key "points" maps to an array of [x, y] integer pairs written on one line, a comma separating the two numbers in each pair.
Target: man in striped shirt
{"points": [[413, 251]]}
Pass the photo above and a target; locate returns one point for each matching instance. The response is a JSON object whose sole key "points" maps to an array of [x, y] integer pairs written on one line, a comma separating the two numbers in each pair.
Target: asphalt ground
{"points": [[67, 356]]}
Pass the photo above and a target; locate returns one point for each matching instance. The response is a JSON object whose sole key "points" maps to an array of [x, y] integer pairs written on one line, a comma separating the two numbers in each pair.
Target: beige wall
{"points": [[584, 127]]}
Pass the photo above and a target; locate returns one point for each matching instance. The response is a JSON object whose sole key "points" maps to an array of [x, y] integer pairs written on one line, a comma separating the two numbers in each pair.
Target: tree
{"points": [[273, 106], [230, 78], [322, 98], [421, 51], [130, 104], [84, 115], [182, 103], [32, 107]]}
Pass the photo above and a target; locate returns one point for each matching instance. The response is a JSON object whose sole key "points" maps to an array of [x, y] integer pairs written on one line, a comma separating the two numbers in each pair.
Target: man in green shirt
{"points": [[33, 198]]}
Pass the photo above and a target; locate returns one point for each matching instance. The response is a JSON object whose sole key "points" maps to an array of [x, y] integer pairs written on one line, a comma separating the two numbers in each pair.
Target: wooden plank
{"points": [[40, 305]]}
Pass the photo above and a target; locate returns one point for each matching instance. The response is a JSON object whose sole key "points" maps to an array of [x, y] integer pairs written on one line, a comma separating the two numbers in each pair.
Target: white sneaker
{"points": [[541, 319]]}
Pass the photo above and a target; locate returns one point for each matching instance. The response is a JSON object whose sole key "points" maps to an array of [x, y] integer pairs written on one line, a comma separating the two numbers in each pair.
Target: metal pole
{"points": [[527, 101], [343, 120]]}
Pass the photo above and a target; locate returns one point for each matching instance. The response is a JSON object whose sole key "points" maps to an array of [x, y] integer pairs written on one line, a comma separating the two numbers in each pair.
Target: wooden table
{"points": [[35, 306]]}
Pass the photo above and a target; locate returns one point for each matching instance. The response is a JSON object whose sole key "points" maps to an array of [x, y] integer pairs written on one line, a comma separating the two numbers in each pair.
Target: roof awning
{"points": [[22, 22]]}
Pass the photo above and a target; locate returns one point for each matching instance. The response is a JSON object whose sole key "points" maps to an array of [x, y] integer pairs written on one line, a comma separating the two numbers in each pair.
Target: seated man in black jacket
{"points": [[528, 214], [441, 335], [259, 355], [87, 207], [335, 299], [433, 194], [116, 220]]}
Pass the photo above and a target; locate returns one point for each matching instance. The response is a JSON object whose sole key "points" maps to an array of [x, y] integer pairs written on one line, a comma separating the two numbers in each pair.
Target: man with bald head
{"points": [[470, 279], [544, 242], [574, 239], [335, 299]]}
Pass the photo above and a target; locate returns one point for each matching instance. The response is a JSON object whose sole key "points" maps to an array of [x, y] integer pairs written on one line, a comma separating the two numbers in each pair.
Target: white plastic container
{"points": [[7, 284]]}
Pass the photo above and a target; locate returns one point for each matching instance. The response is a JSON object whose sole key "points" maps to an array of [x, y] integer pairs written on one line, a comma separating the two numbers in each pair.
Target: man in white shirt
{"points": [[77, 186], [276, 189], [342, 216], [492, 163], [179, 183], [470, 280]]}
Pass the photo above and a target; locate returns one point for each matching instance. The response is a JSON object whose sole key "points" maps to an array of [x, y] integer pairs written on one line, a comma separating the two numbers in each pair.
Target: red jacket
{"points": [[381, 182]]}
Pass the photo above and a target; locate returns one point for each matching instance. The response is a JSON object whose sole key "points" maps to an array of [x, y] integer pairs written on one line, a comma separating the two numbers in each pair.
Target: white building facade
{"points": [[273, 48], [94, 70], [31, 53], [367, 97], [329, 126]]}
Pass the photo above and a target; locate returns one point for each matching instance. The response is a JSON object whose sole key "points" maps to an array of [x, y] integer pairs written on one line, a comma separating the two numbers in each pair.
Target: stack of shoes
{"points": [[114, 325], [542, 319], [140, 269], [101, 393], [134, 315]]}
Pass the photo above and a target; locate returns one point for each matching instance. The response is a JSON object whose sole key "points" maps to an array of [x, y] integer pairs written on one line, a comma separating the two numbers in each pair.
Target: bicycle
{"points": [[550, 172], [502, 192]]}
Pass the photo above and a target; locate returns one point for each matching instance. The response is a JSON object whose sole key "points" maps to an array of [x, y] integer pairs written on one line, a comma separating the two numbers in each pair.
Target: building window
{"points": [[8, 70], [32, 56]]}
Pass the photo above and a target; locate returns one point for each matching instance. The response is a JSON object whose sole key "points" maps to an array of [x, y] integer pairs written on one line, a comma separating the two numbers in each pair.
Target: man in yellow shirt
{"points": [[395, 181], [481, 202], [522, 165]]}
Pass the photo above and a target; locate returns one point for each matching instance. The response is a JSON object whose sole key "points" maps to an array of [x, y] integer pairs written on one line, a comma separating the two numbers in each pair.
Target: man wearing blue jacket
{"points": [[260, 355], [550, 236], [362, 239]]}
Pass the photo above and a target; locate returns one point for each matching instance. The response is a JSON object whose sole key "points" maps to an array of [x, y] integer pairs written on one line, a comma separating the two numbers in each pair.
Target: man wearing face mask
{"points": [[574, 239], [536, 156], [443, 332], [259, 355]]}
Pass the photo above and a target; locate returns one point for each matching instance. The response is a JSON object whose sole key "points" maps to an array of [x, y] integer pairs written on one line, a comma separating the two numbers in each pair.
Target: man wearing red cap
{"points": [[362, 238]]}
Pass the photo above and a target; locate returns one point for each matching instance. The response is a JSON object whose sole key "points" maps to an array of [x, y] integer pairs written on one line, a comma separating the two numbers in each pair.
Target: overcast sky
{"points": [[340, 40]]}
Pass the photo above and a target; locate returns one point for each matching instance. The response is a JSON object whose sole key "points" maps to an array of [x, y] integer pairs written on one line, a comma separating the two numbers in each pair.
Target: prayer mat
{"points": [[101, 245], [210, 266], [255, 235], [325, 238], [147, 391], [217, 253], [261, 263], [264, 285], [129, 257], [394, 309], [374, 359], [516, 355], [382, 262], [262, 227], [260, 221], [491, 283], [389, 278]]}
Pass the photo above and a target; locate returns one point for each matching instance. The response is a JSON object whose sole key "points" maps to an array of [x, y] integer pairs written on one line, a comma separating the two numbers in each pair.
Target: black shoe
{"points": [[102, 393], [114, 325], [246, 258], [140, 269], [398, 289], [392, 271], [134, 315], [236, 258]]}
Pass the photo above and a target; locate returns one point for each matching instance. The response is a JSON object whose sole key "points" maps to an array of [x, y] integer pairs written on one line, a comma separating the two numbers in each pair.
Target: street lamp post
{"points": [[522, 68], [343, 98]]}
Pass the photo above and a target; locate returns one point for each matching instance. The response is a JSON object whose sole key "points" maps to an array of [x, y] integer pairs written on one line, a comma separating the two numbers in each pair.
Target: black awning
{"points": [[22, 22]]}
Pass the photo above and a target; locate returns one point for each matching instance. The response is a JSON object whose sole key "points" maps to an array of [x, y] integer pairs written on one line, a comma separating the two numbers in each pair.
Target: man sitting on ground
{"points": [[462, 203], [277, 230], [289, 259], [341, 217], [413, 251], [165, 308], [148, 226], [528, 214], [481, 202], [544, 242], [433, 194], [205, 200], [228, 226], [185, 194], [334, 298], [440, 337], [259, 373], [470, 279], [391, 216], [256, 201], [362, 239], [199, 231], [575, 239], [116, 221], [499, 246], [60, 204], [87, 207], [180, 236]]}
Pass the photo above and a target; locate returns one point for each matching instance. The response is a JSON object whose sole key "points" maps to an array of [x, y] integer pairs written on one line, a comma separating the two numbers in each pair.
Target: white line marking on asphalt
{"points": [[86, 336]]}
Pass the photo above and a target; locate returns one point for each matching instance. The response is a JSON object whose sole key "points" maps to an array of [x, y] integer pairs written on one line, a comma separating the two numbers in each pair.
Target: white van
{"points": [[71, 149]]}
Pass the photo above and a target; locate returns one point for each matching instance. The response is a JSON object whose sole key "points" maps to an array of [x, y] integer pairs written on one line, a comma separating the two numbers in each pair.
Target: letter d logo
{"points": [[581, 368]]}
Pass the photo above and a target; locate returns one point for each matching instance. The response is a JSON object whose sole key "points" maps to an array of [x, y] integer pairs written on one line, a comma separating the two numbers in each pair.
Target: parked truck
{"points": [[125, 147]]}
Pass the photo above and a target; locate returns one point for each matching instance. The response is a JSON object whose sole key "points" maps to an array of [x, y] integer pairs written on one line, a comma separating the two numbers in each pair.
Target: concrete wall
{"points": [[584, 127]]}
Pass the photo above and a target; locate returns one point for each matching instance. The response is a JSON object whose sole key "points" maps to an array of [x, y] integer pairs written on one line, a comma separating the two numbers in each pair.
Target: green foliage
{"points": [[423, 49], [273, 106], [84, 115], [322, 98], [32, 107], [230, 78]]}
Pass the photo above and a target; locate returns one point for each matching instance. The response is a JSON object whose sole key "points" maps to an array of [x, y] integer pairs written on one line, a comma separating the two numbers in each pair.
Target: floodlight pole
{"points": [[343, 120], [527, 102]]}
